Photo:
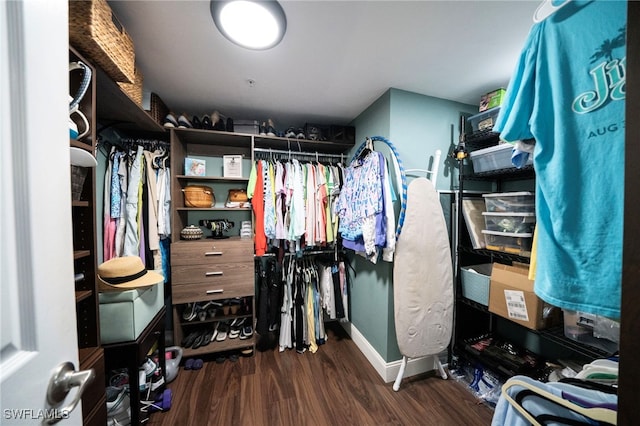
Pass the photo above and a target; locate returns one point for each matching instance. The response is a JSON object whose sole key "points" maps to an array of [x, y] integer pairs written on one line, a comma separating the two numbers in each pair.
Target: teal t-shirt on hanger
{"points": [[568, 92]]}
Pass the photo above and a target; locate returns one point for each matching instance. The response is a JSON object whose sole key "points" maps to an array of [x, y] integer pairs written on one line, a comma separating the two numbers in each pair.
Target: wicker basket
{"points": [[199, 196], [134, 90], [96, 32], [78, 176], [158, 109]]}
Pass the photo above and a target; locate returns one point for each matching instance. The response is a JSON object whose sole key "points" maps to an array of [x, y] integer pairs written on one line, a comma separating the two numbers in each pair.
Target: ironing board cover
{"points": [[423, 276]]}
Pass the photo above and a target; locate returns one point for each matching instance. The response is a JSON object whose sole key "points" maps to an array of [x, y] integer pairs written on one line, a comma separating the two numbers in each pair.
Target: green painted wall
{"points": [[417, 125]]}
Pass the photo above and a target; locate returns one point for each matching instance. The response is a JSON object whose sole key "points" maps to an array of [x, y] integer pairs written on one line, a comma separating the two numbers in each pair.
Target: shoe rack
{"points": [[83, 207]]}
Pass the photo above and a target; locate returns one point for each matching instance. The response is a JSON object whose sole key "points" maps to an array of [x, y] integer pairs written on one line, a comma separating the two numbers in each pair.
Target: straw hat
{"points": [[126, 273]]}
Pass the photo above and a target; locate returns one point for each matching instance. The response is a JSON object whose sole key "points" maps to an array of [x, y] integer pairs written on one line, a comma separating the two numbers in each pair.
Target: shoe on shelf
{"points": [[235, 328], [223, 330], [290, 133], [117, 399], [195, 121], [217, 121], [246, 352], [206, 336], [229, 126], [271, 128], [170, 121], [190, 312], [183, 122], [247, 331], [206, 123], [300, 134], [199, 341], [262, 129], [189, 339]]}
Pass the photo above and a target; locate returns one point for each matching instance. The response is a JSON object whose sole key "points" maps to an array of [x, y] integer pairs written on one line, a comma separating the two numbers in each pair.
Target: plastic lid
{"points": [[525, 214], [508, 234], [508, 194], [495, 148]]}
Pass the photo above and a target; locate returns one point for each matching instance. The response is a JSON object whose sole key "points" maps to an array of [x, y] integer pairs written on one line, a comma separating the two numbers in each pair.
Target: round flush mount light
{"points": [[256, 25]]}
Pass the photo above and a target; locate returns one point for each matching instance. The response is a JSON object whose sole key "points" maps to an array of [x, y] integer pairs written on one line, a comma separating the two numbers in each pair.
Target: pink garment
{"points": [[109, 247]]}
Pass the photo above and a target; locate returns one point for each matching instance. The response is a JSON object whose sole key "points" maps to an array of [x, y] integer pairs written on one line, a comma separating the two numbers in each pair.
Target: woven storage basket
{"points": [[134, 90], [158, 110], [199, 196], [96, 32], [78, 176]]}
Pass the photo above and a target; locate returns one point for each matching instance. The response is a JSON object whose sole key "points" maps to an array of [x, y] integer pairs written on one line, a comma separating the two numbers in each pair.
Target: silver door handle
{"points": [[213, 253], [64, 378], [219, 290], [210, 274]]}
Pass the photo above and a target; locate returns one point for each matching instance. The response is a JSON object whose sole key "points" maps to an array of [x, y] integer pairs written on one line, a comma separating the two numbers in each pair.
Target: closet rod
{"points": [[304, 253], [298, 153]]}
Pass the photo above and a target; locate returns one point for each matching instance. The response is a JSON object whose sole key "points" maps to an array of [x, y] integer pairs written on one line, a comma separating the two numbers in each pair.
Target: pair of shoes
{"points": [[271, 128], [236, 327], [262, 129], [246, 332], [233, 357], [214, 334], [189, 339], [170, 121], [217, 121], [196, 123], [221, 358], [118, 406], [190, 312], [149, 367], [203, 338], [206, 123], [193, 364], [290, 133], [183, 122], [223, 330]]}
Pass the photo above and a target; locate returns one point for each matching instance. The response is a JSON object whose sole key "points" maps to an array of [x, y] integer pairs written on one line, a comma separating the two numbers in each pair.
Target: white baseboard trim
{"points": [[388, 370]]}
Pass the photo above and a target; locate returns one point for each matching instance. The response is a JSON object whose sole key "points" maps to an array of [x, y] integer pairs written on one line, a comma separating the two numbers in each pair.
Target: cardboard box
{"points": [[511, 296], [492, 99]]}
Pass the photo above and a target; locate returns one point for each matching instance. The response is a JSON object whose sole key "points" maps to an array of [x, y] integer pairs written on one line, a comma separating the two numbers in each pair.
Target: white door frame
{"points": [[38, 321]]}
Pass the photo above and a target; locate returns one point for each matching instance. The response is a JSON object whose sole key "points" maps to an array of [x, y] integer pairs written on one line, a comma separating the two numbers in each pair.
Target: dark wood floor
{"points": [[334, 386]]}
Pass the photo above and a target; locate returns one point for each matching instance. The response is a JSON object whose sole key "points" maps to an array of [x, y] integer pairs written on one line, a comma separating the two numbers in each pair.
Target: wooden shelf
{"points": [[212, 178], [82, 295], [114, 105], [226, 345], [78, 254], [226, 209]]}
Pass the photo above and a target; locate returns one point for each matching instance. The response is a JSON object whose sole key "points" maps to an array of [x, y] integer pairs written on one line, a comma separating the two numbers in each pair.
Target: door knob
{"points": [[64, 378]]}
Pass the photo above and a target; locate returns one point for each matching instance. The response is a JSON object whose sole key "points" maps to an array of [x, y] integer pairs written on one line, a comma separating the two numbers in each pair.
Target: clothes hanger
{"points": [[599, 414], [546, 9]]}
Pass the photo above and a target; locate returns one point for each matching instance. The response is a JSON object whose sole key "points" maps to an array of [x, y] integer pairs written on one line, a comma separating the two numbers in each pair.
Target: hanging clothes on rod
{"points": [[293, 195], [137, 202], [365, 207]]}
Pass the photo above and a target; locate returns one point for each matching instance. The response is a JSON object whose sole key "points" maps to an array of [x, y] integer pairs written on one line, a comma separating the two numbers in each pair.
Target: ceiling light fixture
{"points": [[256, 25]]}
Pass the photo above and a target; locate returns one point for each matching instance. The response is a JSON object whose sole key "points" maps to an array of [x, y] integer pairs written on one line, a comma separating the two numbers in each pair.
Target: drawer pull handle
{"points": [[220, 290], [213, 253], [210, 274]]}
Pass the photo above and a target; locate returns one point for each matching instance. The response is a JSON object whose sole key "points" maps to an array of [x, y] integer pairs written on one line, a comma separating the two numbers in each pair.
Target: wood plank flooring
{"points": [[334, 386]]}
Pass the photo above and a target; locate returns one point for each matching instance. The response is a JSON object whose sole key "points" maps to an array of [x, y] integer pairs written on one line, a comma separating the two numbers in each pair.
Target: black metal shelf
{"points": [[481, 139], [512, 173], [497, 255]]}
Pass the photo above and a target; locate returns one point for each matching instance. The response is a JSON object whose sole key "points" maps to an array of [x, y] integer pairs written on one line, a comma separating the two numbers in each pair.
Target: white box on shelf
{"points": [[232, 166]]}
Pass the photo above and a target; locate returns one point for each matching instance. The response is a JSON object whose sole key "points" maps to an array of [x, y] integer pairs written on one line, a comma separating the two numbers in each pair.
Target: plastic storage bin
{"points": [[582, 327], [475, 282], [497, 157], [251, 127], [509, 242], [518, 223], [485, 120], [513, 202]]}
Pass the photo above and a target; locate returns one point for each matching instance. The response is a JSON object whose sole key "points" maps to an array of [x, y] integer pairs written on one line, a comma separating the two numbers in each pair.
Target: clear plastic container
{"points": [[509, 242], [485, 120], [512, 202], [517, 223]]}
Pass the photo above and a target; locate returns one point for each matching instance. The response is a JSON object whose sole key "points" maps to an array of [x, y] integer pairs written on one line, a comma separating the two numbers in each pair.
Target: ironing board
{"points": [[423, 279]]}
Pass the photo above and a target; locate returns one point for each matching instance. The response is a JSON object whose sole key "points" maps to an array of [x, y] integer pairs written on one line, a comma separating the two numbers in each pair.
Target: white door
{"points": [[38, 328]]}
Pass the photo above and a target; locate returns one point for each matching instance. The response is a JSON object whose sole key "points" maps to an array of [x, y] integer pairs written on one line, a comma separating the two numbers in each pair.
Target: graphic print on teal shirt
{"points": [[568, 92]]}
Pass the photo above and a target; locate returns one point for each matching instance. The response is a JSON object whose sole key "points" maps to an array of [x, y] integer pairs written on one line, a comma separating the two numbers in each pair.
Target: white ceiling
{"points": [[336, 58]]}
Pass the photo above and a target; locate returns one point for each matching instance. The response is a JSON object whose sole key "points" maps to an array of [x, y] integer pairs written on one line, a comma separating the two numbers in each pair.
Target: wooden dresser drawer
{"points": [[227, 273], [211, 251], [210, 291]]}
